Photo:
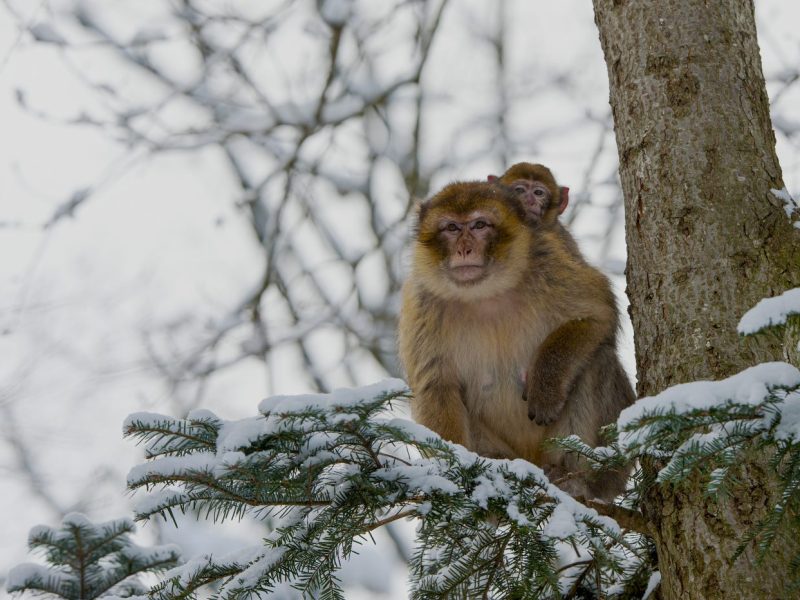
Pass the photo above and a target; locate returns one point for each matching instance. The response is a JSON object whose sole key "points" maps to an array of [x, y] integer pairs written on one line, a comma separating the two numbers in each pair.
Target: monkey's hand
{"points": [[544, 395]]}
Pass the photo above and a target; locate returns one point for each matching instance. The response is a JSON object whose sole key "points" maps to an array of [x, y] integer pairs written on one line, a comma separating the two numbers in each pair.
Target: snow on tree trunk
{"points": [[707, 239]]}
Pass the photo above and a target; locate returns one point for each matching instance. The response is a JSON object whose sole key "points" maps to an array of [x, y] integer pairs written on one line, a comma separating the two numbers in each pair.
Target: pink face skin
{"points": [[467, 237], [535, 195]]}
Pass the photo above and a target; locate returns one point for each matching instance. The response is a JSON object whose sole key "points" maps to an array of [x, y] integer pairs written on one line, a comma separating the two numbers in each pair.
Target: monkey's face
{"points": [[535, 186], [470, 241], [466, 241], [535, 196]]}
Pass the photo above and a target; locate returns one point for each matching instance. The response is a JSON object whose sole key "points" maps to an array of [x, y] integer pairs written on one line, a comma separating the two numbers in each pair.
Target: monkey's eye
{"points": [[451, 227], [538, 192], [520, 189], [480, 224]]}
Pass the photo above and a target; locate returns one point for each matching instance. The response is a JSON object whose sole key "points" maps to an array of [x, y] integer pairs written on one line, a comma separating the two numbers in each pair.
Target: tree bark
{"points": [[706, 240]]}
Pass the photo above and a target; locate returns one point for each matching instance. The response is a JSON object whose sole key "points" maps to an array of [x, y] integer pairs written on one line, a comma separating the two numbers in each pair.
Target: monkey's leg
{"points": [[600, 393], [558, 363], [580, 417]]}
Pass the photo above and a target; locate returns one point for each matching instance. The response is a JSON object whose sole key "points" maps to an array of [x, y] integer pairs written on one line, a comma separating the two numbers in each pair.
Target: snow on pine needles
{"points": [[334, 467]]}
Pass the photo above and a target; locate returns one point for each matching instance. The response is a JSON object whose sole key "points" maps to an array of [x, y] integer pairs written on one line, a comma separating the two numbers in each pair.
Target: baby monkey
{"points": [[495, 291], [536, 187], [542, 198]]}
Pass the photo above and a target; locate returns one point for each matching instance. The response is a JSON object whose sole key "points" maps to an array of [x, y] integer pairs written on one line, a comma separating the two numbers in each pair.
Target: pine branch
{"points": [[710, 428], [629, 519], [336, 467], [88, 560]]}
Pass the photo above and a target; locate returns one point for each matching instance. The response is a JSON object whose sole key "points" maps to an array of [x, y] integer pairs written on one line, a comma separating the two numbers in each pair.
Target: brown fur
{"points": [[543, 311], [556, 202]]}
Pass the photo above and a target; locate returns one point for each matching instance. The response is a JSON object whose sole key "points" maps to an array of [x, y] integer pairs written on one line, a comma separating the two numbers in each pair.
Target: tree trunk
{"points": [[706, 240]]}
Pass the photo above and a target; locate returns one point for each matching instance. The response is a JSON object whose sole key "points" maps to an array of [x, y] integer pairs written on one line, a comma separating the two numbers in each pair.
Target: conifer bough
{"points": [[335, 467]]}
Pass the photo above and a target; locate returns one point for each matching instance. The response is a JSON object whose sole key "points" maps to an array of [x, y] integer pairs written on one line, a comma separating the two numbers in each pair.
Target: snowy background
{"points": [[184, 224]]}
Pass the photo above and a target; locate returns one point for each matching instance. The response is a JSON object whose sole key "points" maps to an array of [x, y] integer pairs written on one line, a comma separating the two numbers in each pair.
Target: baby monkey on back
{"points": [[507, 335], [542, 198]]}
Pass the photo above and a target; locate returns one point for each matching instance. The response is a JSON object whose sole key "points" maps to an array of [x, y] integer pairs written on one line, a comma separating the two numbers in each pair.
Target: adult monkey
{"points": [[496, 309]]}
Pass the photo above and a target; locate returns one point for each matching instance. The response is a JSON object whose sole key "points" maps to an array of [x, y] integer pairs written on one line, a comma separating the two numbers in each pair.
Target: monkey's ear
{"points": [[491, 178], [563, 200], [420, 208]]}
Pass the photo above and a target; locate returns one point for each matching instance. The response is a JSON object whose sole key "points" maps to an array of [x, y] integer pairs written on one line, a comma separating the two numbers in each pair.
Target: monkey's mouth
{"points": [[535, 208], [467, 273]]}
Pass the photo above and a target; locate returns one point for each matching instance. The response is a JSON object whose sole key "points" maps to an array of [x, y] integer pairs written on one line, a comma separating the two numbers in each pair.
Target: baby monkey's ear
{"points": [[563, 200]]}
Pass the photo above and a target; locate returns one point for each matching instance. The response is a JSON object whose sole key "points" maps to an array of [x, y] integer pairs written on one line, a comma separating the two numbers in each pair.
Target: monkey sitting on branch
{"points": [[507, 336]]}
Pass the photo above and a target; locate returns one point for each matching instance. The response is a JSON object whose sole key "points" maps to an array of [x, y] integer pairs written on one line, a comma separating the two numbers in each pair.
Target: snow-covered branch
{"points": [[336, 467], [89, 560]]}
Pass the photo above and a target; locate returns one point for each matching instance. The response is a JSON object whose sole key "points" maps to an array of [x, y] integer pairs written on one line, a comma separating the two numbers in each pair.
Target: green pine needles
{"points": [[335, 467], [714, 427], [89, 561]]}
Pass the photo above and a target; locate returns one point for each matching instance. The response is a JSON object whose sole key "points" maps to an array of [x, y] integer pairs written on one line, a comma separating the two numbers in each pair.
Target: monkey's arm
{"points": [[438, 395], [558, 363]]}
